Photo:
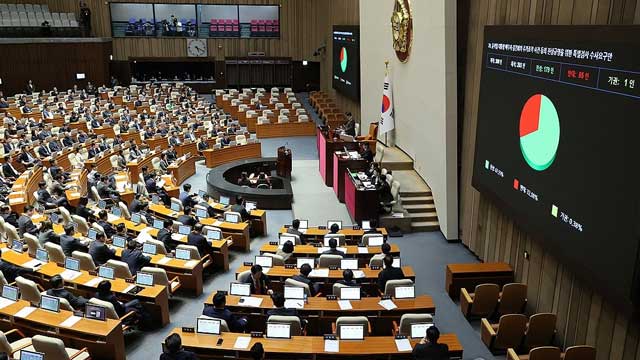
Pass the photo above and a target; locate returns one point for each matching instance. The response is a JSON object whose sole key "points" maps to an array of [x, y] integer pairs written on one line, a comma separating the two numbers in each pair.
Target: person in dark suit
{"points": [[58, 290], [279, 309], [196, 239], [25, 225], [11, 272], [333, 244], [47, 234], [174, 350], [69, 243], [26, 158], [136, 203], [8, 170], [43, 151], [9, 216], [44, 198], [186, 218], [102, 221], [30, 88], [388, 273], [350, 126], [164, 235], [104, 293], [185, 197], [294, 229], [347, 279], [83, 211], [219, 311], [303, 277], [99, 251], [239, 208], [134, 257], [365, 152], [429, 348], [259, 281]]}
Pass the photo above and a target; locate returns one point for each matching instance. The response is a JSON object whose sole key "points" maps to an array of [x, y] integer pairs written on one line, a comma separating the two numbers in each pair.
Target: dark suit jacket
{"points": [[313, 287], [264, 284], [135, 259], [180, 355], [8, 171], [186, 220], [232, 320], [101, 253], [26, 225], [334, 252], [430, 351], [76, 302], [108, 228], [165, 236], [200, 242], [120, 309], [390, 273], [83, 212], [70, 244]]}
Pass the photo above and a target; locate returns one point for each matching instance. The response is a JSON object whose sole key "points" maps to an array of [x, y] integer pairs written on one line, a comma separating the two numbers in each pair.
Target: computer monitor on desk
{"points": [[206, 325], [351, 332]]}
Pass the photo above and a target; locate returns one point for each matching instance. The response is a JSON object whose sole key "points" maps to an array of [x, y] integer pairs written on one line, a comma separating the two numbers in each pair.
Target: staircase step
{"points": [[423, 216], [417, 199], [415, 193], [425, 226], [415, 208]]}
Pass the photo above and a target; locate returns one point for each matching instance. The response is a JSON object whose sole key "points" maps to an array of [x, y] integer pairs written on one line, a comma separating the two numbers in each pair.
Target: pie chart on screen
{"points": [[539, 132], [343, 59]]}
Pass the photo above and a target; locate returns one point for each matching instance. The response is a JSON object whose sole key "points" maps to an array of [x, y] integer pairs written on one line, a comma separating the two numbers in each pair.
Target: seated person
{"points": [[69, 243], [186, 218], [388, 273], [102, 221], [286, 252], [104, 293], [259, 281], [99, 251], [25, 225], [294, 229], [429, 349], [187, 198], [44, 197], [263, 179], [244, 179], [58, 290], [333, 244], [134, 257], [83, 211], [303, 277], [196, 239], [334, 229], [365, 152], [279, 309], [347, 279], [47, 234], [174, 350], [239, 208], [219, 311]]}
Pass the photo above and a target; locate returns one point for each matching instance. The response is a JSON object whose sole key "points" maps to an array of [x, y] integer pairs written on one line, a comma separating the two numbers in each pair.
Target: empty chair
{"points": [[160, 278], [160, 249], [540, 330], [391, 285], [120, 269], [11, 348], [111, 311], [241, 139], [124, 209], [29, 290], [482, 302], [580, 352], [53, 348], [55, 252], [283, 119], [32, 243], [351, 320], [66, 215], [12, 233], [512, 299], [508, 333], [406, 320], [303, 118], [83, 226], [177, 202], [327, 260], [276, 259], [86, 261], [539, 353], [293, 321]]}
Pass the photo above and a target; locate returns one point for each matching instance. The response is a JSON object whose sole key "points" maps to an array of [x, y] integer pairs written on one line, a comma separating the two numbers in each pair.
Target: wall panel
{"points": [[584, 316]]}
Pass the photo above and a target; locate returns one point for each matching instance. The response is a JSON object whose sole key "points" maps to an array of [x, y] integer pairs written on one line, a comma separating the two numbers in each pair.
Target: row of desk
{"points": [[216, 157]]}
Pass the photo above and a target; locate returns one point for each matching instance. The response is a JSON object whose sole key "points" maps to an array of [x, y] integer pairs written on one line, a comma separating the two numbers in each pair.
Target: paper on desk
{"points": [[322, 249], [265, 270], [93, 282], [25, 311], [70, 274], [387, 304], [363, 250], [71, 320], [345, 304], [332, 346], [34, 263], [319, 273], [143, 237], [250, 301], [403, 345], [217, 223], [358, 274], [242, 342], [191, 263], [164, 260], [128, 288], [176, 237], [294, 304], [343, 249], [112, 218], [4, 302]]}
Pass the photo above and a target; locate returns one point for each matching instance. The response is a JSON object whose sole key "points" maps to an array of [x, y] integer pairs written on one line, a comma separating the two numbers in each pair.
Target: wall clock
{"points": [[402, 29], [196, 48]]}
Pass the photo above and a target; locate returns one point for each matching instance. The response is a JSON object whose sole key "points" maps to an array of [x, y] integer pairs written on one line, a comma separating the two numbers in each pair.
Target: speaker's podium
{"points": [[283, 166]]}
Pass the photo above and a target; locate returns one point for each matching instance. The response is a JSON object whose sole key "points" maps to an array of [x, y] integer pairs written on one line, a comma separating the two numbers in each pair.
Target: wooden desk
{"points": [[352, 251], [304, 347], [355, 236], [132, 136], [102, 164], [153, 298], [80, 125], [106, 131], [340, 166], [320, 312], [470, 275], [215, 157], [362, 203], [23, 188], [183, 170], [135, 167], [238, 232], [297, 128], [189, 147], [163, 142]]}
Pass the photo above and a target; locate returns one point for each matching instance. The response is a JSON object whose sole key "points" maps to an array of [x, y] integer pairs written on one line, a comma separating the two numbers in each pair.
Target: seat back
{"points": [[580, 352], [32, 243], [540, 330], [3, 280], [293, 321], [177, 202], [408, 319], [377, 260], [86, 261], [510, 331], [485, 299], [366, 237], [12, 233], [243, 277], [28, 290], [336, 289], [95, 194], [512, 299], [109, 309], [55, 252], [53, 348], [159, 276], [276, 259], [195, 254], [160, 249], [5, 346], [341, 238], [66, 215], [391, 285], [352, 320], [234, 213], [327, 260], [83, 226], [296, 283], [124, 209], [545, 353], [120, 269]]}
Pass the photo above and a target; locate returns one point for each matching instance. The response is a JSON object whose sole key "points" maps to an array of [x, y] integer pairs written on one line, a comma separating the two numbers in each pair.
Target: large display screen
{"points": [[556, 144], [346, 60]]}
